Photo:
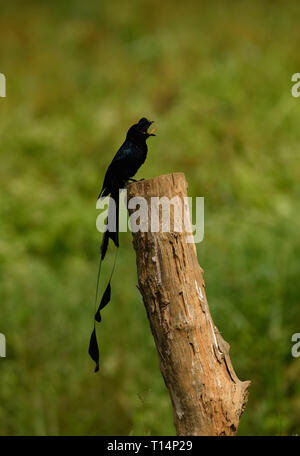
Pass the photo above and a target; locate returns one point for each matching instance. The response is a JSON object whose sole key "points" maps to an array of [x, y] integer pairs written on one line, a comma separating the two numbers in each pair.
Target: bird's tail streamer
{"points": [[114, 235]]}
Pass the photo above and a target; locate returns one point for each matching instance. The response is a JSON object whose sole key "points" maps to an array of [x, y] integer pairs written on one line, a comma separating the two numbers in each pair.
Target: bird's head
{"points": [[140, 129]]}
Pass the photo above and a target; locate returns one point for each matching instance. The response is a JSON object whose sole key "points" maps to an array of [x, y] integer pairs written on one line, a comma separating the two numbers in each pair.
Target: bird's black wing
{"points": [[117, 172]]}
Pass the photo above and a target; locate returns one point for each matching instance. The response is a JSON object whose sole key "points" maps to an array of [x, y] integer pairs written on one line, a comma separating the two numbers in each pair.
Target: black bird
{"points": [[129, 157], [123, 167]]}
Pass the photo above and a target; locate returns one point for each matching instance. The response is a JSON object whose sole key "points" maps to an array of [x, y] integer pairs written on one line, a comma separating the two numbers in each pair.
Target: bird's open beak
{"points": [[151, 132]]}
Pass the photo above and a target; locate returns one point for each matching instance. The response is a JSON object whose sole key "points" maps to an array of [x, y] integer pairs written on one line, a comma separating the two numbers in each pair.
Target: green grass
{"points": [[216, 77]]}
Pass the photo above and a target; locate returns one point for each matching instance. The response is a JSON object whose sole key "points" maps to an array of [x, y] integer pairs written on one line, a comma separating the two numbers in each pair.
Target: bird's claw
{"points": [[134, 180]]}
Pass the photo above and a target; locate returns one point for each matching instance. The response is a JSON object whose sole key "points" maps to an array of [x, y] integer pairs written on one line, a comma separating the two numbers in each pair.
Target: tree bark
{"points": [[207, 396]]}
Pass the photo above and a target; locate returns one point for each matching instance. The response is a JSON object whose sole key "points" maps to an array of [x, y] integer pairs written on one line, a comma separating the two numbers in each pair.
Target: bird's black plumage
{"points": [[128, 159], [123, 167]]}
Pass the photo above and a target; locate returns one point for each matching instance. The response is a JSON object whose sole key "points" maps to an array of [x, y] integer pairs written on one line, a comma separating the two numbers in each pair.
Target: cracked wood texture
{"points": [[207, 396]]}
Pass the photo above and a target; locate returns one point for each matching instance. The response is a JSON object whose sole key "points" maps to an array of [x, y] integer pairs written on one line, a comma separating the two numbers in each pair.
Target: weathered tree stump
{"points": [[207, 396]]}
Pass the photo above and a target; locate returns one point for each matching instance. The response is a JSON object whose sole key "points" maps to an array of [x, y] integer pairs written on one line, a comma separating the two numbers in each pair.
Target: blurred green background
{"points": [[216, 77]]}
